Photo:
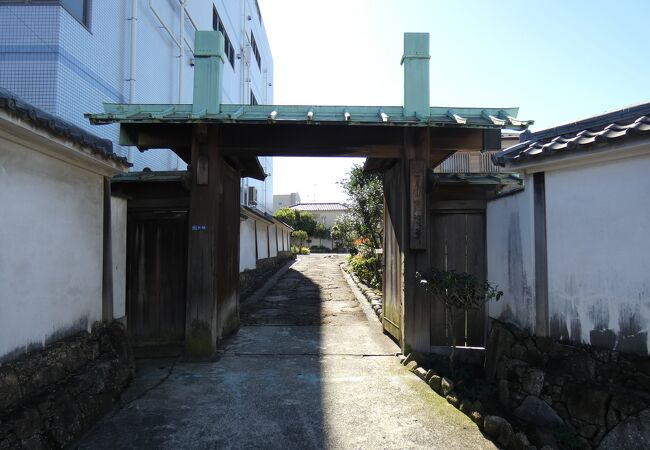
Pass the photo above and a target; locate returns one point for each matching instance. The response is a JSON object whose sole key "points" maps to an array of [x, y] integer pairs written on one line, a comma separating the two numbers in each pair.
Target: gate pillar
{"points": [[213, 243]]}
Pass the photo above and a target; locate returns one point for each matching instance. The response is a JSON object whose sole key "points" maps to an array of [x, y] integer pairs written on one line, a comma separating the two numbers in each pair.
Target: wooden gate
{"points": [[458, 243], [156, 277], [392, 308]]}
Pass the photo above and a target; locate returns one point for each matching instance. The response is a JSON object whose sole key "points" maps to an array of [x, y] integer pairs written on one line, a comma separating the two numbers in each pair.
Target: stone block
{"points": [[627, 404], [588, 403], [504, 392], [534, 358], [466, 407], [10, 391], [412, 365], [544, 344], [533, 381], [446, 386], [436, 382], [518, 351], [608, 372], [477, 418], [498, 429], [430, 373], [519, 441], [499, 344], [27, 422], [535, 411], [421, 373], [453, 399], [632, 433]]}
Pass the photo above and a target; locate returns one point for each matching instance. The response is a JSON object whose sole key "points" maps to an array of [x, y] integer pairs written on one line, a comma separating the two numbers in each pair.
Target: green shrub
{"points": [[365, 267], [299, 251]]}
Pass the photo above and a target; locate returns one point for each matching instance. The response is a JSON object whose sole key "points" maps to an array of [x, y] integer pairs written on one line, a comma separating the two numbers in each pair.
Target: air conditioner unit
{"points": [[252, 195]]}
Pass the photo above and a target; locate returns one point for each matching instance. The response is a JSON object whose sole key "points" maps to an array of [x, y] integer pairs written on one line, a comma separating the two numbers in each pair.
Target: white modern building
{"points": [[285, 200], [66, 57]]}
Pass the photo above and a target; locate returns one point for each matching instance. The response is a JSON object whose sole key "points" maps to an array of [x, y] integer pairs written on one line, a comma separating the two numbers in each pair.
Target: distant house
{"points": [[325, 214], [571, 249]]}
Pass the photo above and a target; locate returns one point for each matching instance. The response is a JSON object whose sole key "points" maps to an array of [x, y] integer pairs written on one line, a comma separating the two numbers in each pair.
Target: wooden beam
{"points": [[416, 319], [541, 256], [202, 322], [107, 249]]}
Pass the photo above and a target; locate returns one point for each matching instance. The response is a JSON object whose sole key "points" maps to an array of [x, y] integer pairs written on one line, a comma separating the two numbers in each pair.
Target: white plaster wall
{"points": [[510, 257], [50, 248], [273, 240], [262, 240], [247, 260], [118, 255], [598, 222]]}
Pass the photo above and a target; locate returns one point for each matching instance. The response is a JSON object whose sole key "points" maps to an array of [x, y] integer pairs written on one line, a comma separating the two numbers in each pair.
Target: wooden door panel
{"points": [[458, 243], [156, 277]]}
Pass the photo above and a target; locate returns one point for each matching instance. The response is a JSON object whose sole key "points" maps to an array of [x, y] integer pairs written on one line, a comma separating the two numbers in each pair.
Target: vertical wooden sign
{"points": [[417, 195]]}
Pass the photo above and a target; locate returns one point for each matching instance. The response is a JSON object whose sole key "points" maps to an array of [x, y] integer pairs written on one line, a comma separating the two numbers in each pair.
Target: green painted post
{"points": [[416, 74], [208, 72]]}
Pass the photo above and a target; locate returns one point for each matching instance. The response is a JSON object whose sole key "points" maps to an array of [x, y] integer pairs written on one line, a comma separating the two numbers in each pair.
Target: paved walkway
{"points": [[309, 368]]}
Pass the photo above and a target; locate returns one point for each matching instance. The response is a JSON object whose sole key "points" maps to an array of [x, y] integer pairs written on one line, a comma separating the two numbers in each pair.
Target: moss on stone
{"points": [[199, 342]]}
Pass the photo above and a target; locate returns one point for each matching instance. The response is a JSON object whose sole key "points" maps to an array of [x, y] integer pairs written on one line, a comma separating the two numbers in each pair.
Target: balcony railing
{"points": [[468, 162]]}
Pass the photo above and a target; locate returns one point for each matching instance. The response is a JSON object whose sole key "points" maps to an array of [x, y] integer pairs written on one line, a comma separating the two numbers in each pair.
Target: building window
{"points": [[256, 51], [253, 99], [217, 25], [79, 9]]}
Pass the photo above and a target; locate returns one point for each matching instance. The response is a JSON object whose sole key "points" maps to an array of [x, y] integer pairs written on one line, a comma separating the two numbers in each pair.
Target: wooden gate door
{"points": [[458, 242], [156, 277], [392, 283]]}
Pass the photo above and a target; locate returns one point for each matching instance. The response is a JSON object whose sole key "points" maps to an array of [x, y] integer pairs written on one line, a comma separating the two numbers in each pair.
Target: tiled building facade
{"points": [[67, 57]]}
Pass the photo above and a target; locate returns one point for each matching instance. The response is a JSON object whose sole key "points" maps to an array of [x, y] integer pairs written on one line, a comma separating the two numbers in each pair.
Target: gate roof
{"points": [[248, 131]]}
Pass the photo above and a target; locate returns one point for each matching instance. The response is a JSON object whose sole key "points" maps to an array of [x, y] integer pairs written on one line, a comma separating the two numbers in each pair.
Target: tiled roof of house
{"points": [[14, 106], [591, 133], [319, 207]]}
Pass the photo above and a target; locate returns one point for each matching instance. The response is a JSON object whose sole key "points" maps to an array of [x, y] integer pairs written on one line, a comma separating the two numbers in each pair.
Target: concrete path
{"points": [[309, 369]]}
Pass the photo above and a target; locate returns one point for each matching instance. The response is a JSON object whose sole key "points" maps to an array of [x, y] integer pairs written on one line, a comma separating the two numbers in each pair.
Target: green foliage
{"points": [[365, 267], [458, 291], [344, 232], [361, 229], [288, 216], [321, 232], [298, 220], [299, 236], [366, 205], [299, 250]]}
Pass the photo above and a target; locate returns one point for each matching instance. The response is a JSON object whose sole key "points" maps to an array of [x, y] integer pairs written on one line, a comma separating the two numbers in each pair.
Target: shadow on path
{"points": [[306, 370]]}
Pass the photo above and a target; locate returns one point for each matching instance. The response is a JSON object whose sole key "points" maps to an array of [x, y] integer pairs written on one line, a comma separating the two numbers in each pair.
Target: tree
{"points": [[366, 205], [343, 231], [321, 232], [298, 220], [365, 222], [288, 216], [300, 236], [458, 292]]}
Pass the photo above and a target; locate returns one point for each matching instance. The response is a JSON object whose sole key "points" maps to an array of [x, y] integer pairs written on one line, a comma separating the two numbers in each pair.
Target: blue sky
{"points": [[558, 61]]}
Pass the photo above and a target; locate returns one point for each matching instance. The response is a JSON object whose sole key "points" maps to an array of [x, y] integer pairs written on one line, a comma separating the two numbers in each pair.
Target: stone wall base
{"points": [[251, 280], [50, 397], [567, 390]]}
